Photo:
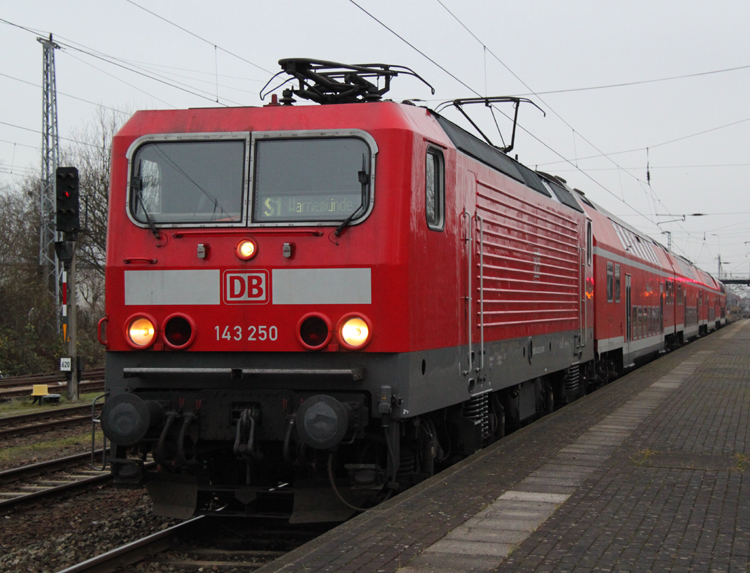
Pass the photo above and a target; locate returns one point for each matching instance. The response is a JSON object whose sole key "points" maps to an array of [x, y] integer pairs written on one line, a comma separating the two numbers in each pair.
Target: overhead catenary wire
{"points": [[114, 61], [709, 214], [413, 47], [668, 142], [501, 62], [66, 95], [434, 62], [47, 33], [479, 95], [114, 77], [640, 82], [30, 30], [60, 136], [648, 191], [19, 144], [214, 72], [163, 70], [566, 160], [67, 44], [209, 42], [148, 65], [656, 168]]}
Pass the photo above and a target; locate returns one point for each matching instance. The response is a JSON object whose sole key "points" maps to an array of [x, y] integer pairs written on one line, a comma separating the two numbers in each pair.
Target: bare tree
{"points": [[92, 156], [29, 341], [28, 337]]}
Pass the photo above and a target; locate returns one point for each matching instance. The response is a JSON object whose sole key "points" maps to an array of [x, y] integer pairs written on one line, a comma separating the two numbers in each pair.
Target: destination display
{"points": [[309, 207]]}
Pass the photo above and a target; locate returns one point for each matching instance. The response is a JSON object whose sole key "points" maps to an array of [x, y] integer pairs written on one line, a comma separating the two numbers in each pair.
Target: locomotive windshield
{"points": [[311, 179], [188, 182]]}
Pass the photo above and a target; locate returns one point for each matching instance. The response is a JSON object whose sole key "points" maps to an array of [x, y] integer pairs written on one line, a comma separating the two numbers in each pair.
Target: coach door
{"points": [[661, 307], [628, 320]]}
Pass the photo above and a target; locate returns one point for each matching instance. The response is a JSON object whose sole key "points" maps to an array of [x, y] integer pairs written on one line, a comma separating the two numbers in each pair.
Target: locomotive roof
{"points": [[493, 157]]}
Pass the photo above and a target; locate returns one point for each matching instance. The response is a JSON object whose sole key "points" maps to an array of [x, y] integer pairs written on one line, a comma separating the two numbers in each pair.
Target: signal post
{"points": [[67, 221]]}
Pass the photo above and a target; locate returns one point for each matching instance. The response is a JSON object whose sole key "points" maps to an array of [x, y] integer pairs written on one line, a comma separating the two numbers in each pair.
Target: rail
{"points": [[47, 378], [35, 422], [32, 489], [135, 551]]}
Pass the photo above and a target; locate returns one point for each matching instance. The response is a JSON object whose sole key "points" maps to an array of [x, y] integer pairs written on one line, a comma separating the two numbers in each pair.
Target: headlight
{"points": [[141, 332], [246, 249], [354, 332]]}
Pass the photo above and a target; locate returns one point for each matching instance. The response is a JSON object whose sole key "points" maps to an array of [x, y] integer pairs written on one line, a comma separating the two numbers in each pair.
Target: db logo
{"points": [[245, 287]]}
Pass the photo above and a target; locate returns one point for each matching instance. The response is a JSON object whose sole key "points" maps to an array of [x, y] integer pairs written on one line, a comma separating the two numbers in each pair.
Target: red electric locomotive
{"points": [[315, 306]]}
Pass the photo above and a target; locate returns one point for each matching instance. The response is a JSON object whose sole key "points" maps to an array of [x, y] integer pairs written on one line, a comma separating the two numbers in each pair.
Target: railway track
{"points": [[205, 543], [51, 378], [48, 479], [8, 392], [40, 421], [20, 386]]}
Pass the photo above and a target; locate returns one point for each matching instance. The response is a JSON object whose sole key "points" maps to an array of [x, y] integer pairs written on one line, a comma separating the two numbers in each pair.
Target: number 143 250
{"points": [[249, 333]]}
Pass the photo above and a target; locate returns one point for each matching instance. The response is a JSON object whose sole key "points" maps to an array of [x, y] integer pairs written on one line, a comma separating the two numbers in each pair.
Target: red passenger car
{"points": [[647, 300]]}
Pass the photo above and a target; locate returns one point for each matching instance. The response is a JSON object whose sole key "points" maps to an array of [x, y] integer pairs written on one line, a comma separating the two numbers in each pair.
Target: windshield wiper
{"points": [[137, 186], [363, 177]]}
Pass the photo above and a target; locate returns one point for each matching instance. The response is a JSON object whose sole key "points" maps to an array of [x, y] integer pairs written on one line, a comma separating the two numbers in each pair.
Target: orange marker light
{"points": [[141, 332], [246, 249], [354, 332]]}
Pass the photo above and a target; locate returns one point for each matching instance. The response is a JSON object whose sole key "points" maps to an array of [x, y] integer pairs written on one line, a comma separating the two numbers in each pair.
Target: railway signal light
{"points": [[67, 210]]}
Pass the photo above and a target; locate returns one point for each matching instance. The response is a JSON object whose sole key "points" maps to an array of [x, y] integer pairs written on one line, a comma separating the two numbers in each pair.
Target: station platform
{"points": [[649, 473]]}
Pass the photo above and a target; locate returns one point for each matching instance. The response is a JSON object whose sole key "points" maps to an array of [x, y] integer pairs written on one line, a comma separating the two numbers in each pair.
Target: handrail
{"points": [[468, 299], [480, 225], [94, 422], [582, 291], [102, 338]]}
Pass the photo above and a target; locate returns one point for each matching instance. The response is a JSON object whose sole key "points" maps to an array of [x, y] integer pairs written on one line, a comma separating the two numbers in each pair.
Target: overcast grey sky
{"points": [[686, 63]]}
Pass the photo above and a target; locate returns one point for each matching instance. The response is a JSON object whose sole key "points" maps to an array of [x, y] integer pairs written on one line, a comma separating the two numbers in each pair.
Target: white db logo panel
{"points": [[245, 287]]}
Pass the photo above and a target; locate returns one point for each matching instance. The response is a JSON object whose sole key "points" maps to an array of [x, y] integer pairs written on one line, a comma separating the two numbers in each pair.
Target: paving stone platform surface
{"points": [[647, 474]]}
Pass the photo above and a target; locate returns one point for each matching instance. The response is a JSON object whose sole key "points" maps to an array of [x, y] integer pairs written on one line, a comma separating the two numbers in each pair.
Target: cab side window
{"points": [[435, 190]]}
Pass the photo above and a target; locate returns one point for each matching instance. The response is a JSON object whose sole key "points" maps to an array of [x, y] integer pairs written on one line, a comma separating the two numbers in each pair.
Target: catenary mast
{"points": [[50, 155]]}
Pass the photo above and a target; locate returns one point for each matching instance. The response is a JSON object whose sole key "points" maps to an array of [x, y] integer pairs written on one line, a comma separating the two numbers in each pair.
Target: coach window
{"points": [[617, 283], [641, 322], [610, 282], [589, 243], [435, 190]]}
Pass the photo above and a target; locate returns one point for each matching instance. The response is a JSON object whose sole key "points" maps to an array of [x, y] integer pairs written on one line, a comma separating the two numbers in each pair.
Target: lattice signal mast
{"points": [[50, 154]]}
